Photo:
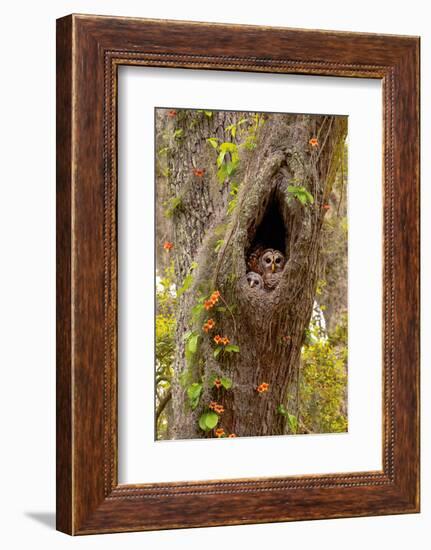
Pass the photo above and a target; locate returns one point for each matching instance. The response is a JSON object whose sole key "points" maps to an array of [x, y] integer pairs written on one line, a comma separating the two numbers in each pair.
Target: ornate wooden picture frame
{"points": [[89, 51]]}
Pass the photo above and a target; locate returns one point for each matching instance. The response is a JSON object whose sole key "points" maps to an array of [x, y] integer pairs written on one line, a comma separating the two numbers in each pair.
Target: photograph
{"points": [[212, 313], [251, 273]]}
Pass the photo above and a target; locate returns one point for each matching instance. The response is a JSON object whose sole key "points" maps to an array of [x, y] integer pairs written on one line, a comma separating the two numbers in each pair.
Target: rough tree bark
{"points": [[268, 326]]}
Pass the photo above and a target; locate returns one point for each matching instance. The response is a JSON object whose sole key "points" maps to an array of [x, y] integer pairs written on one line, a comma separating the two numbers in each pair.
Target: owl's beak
{"points": [[273, 267]]}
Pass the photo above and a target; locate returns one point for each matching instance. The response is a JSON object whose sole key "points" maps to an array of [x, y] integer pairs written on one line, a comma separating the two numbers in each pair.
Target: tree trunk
{"points": [[211, 247]]}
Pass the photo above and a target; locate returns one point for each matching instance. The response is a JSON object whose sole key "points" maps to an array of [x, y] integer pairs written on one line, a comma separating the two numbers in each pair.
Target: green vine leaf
{"points": [[234, 187], [232, 205], [226, 168], [232, 129], [217, 351], [191, 339], [187, 283], [208, 114], [228, 147], [301, 194], [172, 205], [194, 393], [226, 383], [293, 423], [233, 192], [213, 142], [281, 409], [222, 174], [211, 420], [230, 168], [202, 423], [197, 309], [292, 420], [208, 421], [192, 343], [188, 280], [218, 245], [232, 348], [220, 158]]}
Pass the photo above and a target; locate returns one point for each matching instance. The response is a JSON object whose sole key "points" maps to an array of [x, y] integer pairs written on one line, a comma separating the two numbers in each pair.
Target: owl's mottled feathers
{"points": [[271, 280], [253, 260], [268, 263]]}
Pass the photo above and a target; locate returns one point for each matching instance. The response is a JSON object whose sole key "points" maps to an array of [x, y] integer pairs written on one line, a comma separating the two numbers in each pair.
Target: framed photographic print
{"points": [[237, 274]]}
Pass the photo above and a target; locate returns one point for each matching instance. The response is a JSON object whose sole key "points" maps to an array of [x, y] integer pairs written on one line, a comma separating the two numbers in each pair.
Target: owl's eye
{"points": [[268, 260], [277, 260]]}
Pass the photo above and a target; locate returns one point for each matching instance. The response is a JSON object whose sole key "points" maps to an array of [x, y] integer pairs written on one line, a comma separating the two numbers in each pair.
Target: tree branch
{"points": [[163, 404]]}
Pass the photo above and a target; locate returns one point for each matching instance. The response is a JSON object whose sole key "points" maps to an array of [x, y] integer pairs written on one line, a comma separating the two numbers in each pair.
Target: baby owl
{"points": [[254, 280]]}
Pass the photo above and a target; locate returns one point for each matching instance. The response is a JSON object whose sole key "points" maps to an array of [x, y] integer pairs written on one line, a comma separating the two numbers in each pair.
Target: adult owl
{"points": [[254, 280], [271, 266]]}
